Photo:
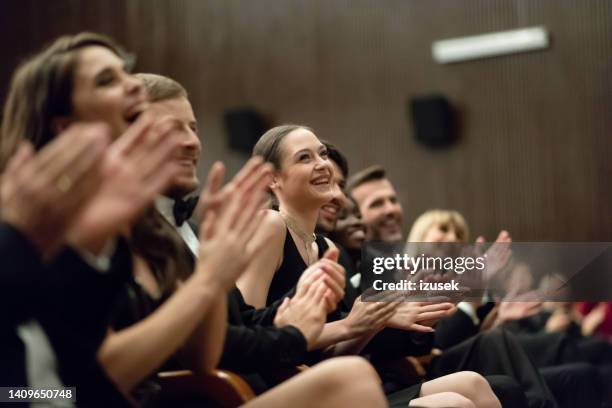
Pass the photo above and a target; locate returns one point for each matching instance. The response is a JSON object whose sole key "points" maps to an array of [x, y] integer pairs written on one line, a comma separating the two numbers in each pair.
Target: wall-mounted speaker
{"points": [[433, 120], [244, 127]]}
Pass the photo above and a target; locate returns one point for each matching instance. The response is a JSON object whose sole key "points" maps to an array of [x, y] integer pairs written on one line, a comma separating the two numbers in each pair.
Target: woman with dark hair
{"points": [[83, 78]]}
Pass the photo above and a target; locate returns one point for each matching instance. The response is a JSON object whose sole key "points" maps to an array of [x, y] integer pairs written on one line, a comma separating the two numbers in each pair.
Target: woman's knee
{"points": [[355, 377], [349, 371], [479, 389], [454, 400], [474, 381], [356, 368]]}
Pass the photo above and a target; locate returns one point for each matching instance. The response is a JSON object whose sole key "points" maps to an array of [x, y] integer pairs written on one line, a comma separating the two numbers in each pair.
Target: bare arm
{"points": [[352, 333], [203, 351], [132, 354], [339, 338], [129, 355]]}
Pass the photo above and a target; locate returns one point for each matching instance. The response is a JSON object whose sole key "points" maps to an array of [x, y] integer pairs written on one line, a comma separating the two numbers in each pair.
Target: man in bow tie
{"points": [[169, 98], [256, 341]]}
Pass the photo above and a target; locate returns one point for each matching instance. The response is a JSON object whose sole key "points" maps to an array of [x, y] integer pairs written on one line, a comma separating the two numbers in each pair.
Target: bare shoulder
{"points": [[272, 227], [273, 221]]}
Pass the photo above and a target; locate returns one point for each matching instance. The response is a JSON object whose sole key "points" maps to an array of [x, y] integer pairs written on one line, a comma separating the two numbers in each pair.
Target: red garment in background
{"points": [[605, 328]]}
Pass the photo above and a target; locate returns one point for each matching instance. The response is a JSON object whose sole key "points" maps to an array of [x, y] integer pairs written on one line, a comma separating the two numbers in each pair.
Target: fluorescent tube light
{"points": [[489, 45]]}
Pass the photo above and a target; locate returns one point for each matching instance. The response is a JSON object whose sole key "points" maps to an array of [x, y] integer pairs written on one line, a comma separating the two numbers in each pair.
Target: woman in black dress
{"points": [[84, 78], [302, 183]]}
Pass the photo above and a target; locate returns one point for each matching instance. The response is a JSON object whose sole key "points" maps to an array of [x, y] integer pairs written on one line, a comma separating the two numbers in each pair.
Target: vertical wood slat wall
{"points": [[536, 128]]}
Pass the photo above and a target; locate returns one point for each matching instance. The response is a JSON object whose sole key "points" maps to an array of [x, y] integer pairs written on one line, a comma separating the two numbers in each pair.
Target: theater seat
{"points": [[224, 387]]}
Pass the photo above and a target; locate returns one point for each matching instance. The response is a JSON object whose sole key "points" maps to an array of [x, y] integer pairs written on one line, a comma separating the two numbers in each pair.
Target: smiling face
{"points": [[381, 211], [188, 155], [104, 91], [304, 178], [328, 215], [350, 230]]}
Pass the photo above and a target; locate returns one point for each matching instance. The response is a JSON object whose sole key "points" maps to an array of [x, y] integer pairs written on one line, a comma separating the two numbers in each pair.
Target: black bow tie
{"points": [[183, 209]]}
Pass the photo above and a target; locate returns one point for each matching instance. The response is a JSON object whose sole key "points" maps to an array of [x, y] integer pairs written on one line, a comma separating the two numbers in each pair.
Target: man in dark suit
{"points": [[258, 344], [459, 334]]}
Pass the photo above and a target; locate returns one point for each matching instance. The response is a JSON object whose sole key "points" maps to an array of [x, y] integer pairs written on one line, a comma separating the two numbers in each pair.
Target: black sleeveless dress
{"points": [[292, 267], [286, 278]]}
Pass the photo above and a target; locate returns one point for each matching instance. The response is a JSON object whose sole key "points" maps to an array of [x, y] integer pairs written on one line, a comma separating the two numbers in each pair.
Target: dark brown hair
{"points": [[371, 173], [334, 155], [41, 89], [160, 246]]}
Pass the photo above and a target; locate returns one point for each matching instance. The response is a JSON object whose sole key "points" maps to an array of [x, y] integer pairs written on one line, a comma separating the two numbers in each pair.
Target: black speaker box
{"points": [[244, 127], [433, 120]]}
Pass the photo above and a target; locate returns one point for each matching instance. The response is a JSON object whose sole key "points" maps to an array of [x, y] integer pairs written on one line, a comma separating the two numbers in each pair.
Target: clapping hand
{"points": [[333, 275], [227, 228], [419, 316], [498, 255], [135, 169], [368, 317], [42, 194], [306, 310]]}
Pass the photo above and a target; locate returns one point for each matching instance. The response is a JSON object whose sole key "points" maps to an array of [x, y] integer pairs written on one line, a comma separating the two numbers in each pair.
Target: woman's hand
{"points": [[498, 255], [42, 194], [135, 169], [333, 275], [229, 226], [306, 310]]}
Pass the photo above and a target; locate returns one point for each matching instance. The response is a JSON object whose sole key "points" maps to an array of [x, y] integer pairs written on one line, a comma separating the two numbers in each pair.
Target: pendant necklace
{"points": [[306, 238]]}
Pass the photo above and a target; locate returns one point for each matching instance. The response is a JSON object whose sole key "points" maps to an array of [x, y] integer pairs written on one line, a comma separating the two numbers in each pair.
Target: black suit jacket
{"points": [[76, 319], [253, 344], [71, 301], [21, 275]]}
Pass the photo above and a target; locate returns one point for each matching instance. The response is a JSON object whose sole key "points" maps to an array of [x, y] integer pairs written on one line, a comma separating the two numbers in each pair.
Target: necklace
{"points": [[306, 238]]}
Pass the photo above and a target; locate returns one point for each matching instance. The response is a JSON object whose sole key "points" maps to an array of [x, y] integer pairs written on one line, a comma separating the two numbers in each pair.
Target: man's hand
{"points": [[368, 317], [419, 316], [43, 194]]}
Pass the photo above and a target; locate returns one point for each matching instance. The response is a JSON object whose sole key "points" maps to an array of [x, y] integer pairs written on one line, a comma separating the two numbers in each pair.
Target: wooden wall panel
{"points": [[533, 154]]}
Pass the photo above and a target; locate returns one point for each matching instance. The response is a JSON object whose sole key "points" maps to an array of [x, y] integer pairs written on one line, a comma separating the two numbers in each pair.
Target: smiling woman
{"points": [[104, 90], [302, 184], [80, 77]]}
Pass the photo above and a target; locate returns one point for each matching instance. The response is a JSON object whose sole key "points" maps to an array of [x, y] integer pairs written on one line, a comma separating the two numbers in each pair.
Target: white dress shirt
{"points": [[164, 205]]}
